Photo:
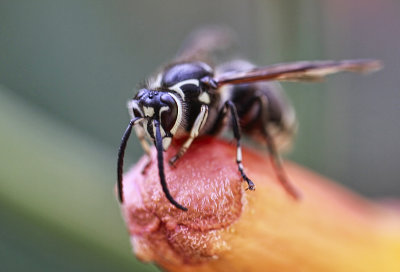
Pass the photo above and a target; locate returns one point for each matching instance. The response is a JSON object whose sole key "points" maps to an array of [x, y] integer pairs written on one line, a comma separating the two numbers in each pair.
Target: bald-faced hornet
{"points": [[190, 98]]}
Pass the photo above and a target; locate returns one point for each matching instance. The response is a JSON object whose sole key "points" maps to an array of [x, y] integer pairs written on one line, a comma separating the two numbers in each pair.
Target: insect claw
{"points": [[251, 185], [250, 188]]}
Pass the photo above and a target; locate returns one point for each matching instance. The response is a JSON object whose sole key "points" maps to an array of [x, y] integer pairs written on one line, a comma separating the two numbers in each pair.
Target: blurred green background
{"points": [[68, 67]]}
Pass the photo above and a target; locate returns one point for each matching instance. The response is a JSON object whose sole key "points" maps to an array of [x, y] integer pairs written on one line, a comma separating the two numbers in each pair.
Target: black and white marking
{"points": [[188, 100]]}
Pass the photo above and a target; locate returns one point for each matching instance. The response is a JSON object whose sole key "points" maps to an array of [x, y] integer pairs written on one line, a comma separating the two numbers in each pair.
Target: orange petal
{"points": [[229, 229]]}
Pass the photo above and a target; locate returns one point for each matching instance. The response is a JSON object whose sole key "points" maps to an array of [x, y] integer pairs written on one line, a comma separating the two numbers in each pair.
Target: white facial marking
{"points": [[163, 109], [178, 116], [148, 111], [177, 86], [204, 97]]}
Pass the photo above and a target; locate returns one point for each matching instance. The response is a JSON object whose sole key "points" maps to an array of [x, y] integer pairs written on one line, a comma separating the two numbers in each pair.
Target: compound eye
{"points": [[168, 112]]}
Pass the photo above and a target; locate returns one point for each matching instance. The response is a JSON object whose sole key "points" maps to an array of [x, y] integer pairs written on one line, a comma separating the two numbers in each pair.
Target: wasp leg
{"points": [[145, 145], [274, 156], [194, 132], [236, 132]]}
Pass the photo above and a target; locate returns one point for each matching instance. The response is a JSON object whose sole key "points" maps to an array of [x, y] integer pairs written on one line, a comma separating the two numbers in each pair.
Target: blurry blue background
{"points": [[68, 67]]}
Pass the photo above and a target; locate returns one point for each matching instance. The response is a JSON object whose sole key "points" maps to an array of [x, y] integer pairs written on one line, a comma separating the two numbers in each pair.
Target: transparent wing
{"points": [[299, 71], [205, 42]]}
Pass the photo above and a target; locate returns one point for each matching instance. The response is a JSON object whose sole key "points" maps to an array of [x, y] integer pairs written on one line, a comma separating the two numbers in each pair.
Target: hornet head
{"points": [[156, 107]]}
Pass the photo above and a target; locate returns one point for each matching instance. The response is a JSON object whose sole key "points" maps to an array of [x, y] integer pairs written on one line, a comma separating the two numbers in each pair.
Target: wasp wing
{"points": [[298, 71], [204, 44]]}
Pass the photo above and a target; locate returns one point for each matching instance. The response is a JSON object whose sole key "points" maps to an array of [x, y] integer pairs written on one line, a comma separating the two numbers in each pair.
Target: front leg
{"points": [[194, 132], [145, 145]]}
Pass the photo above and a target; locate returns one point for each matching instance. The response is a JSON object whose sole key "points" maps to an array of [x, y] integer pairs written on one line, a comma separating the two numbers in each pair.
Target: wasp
{"points": [[192, 97]]}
